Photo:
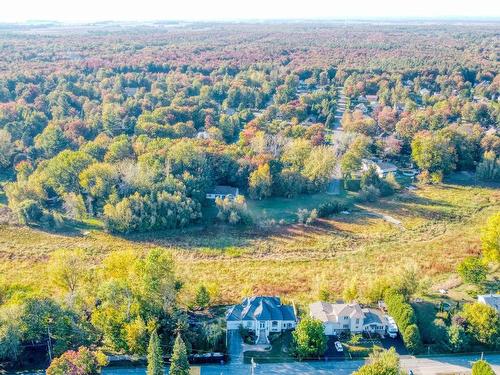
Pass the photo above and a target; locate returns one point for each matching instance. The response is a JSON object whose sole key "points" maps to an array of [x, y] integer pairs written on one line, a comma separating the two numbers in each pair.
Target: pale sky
{"points": [[146, 10]]}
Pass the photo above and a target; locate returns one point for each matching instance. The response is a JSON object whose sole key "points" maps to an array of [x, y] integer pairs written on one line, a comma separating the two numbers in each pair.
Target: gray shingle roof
{"points": [[330, 312], [373, 316], [261, 308], [490, 299]]}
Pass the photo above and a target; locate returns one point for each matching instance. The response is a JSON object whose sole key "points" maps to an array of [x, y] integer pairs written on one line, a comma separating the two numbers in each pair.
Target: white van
{"points": [[392, 328]]}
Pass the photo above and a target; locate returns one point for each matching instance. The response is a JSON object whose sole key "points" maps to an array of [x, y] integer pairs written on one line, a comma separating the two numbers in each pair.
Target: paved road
{"points": [[419, 366], [448, 364], [294, 368], [341, 107]]}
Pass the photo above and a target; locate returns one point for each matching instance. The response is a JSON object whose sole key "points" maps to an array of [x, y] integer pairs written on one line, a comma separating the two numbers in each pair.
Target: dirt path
{"points": [[389, 219]]}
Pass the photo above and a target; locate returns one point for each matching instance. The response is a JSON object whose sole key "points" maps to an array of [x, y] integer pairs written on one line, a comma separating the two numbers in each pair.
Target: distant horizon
{"points": [[394, 19], [91, 11]]}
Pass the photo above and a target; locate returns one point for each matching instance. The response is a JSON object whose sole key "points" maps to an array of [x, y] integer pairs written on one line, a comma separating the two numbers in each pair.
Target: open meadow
{"points": [[439, 225]]}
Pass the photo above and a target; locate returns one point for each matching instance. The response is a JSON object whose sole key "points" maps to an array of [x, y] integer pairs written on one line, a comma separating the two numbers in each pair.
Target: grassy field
{"points": [[278, 208], [439, 226], [286, 208]]}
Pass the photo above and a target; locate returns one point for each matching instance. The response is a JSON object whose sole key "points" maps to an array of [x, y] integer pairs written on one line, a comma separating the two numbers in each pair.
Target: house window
{"points": [[289, 325], [262, 325], [249, 324], [346, 326], [346, 317], [357, 321], [275, 324]]}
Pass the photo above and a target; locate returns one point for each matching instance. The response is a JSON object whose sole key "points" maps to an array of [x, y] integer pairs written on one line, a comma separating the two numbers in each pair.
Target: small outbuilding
{"points": [[382, 168]]}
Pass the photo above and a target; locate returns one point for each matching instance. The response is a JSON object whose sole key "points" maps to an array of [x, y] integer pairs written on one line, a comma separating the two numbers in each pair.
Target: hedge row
{"points": [[402, 312]]}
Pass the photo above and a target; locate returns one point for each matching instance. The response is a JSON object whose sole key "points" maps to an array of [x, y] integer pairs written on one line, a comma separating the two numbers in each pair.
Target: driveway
{"points": [[397, 343], [334, 187], [331, 352], [235, 346]]}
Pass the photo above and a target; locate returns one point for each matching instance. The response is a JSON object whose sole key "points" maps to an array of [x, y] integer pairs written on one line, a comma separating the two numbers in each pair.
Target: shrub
{"points": [[472, 270], [30, 211], [352, 184], [140, 213], [304, 216], [330, 208], [381, 363], [489, 168], [385, 188], [482, 368], [411, 338], [369, 194], [233, 211], [458, 338], [81, 362]]}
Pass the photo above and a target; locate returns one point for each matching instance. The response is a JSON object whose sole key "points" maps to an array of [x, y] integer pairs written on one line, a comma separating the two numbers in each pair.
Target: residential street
{"points": [[447, 365], [419, 366]]}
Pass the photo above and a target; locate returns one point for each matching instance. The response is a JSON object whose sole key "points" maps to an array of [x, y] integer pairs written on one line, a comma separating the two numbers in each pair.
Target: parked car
{"points": [[338, 346]]}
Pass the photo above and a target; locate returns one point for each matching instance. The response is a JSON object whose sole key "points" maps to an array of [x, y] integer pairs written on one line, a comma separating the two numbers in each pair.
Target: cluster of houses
{"points": [[383, 168], [265, 315]]}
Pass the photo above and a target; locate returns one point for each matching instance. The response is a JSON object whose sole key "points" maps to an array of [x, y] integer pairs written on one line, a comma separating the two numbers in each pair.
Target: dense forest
{"points": [[133, 126]]}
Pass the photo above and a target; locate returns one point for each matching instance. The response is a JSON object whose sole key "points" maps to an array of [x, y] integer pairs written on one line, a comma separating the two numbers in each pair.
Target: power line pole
{"points": [[254, 365]]}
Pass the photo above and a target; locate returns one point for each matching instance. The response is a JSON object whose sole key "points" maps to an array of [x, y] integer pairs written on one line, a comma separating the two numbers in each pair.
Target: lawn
{"points": [[278, 208], [280, 352], [440, 226], [286, 208]]}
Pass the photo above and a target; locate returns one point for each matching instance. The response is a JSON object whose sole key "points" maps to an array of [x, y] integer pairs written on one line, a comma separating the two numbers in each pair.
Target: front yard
{"points": [[280, 351], [356, 346]]}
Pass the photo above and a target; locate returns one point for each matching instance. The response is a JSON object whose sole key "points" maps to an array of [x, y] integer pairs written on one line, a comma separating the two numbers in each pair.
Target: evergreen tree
{"points": [[155, 360], [179, 364], [202, 298]]}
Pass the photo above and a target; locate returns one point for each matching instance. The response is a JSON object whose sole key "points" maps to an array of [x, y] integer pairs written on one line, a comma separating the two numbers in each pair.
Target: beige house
{"points": [[350, 317], [338, 317], [382, 168]]}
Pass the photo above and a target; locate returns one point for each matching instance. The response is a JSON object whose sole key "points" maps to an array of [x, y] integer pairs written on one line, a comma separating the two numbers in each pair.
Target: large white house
{"points": [[350, 317], [492, 300], [262, 315]]}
